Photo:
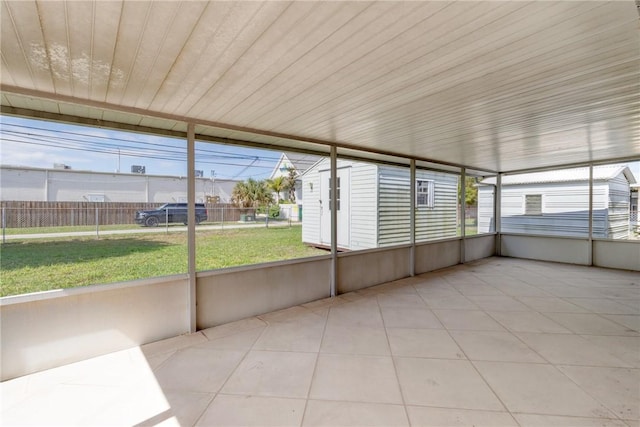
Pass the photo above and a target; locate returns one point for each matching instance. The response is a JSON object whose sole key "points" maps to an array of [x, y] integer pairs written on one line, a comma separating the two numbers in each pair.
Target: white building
{"points": [[298, 162], [557, 202], [374, 205], [68, 185]]}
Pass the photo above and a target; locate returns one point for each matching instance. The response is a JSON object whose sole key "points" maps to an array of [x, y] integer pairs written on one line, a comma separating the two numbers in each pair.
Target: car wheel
{"points": [[152, 221]]}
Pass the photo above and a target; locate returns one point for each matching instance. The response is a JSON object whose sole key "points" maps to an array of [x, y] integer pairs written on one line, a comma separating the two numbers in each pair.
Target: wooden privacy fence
{"points": [[23, 214]]}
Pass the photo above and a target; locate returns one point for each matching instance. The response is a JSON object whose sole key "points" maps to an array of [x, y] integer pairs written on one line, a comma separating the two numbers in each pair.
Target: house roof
{"points": [[300, 162], [600, 173]]}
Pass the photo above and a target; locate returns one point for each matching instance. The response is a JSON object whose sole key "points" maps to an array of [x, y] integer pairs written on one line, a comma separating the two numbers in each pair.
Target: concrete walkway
{"points": [[144, 230]]}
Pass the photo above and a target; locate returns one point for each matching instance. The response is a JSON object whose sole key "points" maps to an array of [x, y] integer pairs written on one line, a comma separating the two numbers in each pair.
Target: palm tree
{"points": [[251, 194], [277, 185], [240, 195], [290, 184]]}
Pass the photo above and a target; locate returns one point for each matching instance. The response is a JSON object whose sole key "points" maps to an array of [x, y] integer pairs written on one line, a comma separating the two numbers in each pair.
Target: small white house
{"points": [[557, 202], [299, 163], [373, 205]]}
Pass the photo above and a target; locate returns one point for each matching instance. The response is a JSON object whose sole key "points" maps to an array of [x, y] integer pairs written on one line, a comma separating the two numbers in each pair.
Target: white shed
{"points": [[374, 205], [557, 202]]}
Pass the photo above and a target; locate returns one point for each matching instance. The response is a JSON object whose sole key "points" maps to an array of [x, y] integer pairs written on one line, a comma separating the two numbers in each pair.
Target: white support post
{"points": [[334, 221], [412, 217], [497, 213], [590, 214], [191, 225], [463, 207]]}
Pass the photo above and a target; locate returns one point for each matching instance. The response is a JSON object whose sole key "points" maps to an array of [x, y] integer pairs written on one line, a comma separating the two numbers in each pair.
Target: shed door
{"points": [[343, 204]]}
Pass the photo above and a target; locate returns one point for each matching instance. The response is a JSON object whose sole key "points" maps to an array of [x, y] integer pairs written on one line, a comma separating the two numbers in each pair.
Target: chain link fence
{"points": [[36, 219]]}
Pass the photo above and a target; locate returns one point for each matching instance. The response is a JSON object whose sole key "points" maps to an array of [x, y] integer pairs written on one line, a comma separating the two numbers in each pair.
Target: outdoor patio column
{"points": [[590, 255], [334, 221], [412, 216], [463, 206], [497, 201], [191, 223]]}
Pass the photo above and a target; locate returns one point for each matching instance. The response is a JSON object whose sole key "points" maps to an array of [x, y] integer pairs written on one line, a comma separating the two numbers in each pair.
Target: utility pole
{"points": [[213, 184]]}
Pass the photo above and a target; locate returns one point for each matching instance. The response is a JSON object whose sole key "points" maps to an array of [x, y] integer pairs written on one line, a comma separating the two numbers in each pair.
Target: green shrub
{"points": [[274, 211]]}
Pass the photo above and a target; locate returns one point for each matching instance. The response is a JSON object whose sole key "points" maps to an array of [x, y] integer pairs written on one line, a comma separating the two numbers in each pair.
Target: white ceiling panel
{"points": [[496, 86]]}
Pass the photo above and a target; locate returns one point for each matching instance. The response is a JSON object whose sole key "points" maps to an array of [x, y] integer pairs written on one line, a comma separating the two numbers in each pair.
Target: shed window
{"points": [[533, 204], [425, 193], [337, 193]]}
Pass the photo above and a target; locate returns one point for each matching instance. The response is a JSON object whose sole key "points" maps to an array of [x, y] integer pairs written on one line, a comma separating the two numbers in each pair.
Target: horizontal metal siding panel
{"points": [[311, 208], [565, 210], [394, 209], [486, 203], [619, 205], [441, 220], [363, 206]]}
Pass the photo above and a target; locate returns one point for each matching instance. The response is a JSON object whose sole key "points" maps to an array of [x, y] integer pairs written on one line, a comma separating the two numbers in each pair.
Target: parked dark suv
{"points": [[169, 213]]}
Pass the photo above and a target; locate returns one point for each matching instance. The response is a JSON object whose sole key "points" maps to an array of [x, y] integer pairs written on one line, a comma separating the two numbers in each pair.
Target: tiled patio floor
{"points": [[498, 342]]}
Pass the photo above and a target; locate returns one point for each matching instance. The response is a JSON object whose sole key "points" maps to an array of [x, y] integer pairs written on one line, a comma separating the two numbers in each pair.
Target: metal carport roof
{"points": [[499, 86]]}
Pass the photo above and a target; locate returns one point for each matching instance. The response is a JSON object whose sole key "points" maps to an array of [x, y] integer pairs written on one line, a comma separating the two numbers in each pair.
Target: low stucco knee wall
{"points": [[236, 293], [543, 248], [435, 255], [624, 254], [49, 329], [621, 254], [361, 269], [478, 247]]}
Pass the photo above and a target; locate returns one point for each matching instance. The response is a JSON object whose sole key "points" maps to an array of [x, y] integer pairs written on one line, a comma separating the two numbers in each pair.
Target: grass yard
{"points": [[40, 265], [68, 229]]}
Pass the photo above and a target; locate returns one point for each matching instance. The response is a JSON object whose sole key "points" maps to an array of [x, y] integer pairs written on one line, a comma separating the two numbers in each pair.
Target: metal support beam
{"points": [[191, 224], [591, 214], [497, 213], [412, 217], [463, 207], [334, 221]]}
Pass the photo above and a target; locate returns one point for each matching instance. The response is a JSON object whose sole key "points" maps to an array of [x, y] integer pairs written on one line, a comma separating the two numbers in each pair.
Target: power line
{"points": [[112, 145], [128, 141], [130, 154]]}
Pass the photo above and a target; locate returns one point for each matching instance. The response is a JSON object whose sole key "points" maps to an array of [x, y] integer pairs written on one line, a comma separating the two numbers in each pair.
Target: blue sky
{"points": [[36, 143]]}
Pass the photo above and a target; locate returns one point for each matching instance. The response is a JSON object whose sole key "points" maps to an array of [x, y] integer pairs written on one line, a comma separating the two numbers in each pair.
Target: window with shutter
{"points": [[425, 196], [533, 204]]}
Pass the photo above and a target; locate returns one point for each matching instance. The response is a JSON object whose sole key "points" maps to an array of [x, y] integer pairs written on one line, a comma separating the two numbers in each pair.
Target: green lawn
{"points": [[39, 265], [68, 229]]}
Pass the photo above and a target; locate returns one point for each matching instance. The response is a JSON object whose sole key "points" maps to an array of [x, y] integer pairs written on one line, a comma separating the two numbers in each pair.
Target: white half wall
{"points": [[236, 293], [361, 269], [478, 247], [546, 248], [49, 329], [623, 254], [436, 255]]}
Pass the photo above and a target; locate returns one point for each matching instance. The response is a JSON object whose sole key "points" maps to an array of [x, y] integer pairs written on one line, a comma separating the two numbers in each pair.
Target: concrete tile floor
{"points": [[497, 342]]}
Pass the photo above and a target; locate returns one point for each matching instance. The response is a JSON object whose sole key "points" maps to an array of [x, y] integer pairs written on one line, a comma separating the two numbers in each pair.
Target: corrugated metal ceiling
{"points": [[491, 85]]}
